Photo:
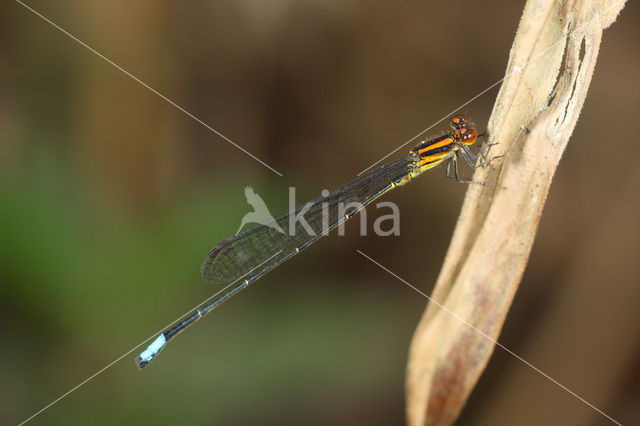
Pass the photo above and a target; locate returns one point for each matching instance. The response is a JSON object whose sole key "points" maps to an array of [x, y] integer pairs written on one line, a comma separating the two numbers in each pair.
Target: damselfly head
{"points": [[464, 130], [459, 121]]}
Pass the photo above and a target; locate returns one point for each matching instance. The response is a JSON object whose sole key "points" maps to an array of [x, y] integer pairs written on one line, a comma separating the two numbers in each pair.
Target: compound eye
{"points": [[469, 136], [458, 121]]}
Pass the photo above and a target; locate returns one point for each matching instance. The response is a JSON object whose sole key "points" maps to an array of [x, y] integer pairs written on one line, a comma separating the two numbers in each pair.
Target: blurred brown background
{"points": [[110, 197]]}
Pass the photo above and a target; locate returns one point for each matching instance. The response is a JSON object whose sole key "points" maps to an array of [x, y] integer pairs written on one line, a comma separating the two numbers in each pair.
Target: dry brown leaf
{"points": [[548, 74]]}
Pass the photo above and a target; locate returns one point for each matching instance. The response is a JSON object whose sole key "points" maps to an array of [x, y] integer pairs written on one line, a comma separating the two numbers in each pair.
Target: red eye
{"points": [[469, 137]]}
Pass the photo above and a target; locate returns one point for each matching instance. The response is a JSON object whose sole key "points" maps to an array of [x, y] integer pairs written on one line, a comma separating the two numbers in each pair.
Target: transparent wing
{"points": [[241, 253]]}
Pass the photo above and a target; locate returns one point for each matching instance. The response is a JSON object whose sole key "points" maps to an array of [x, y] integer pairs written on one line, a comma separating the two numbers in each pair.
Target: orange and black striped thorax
{"points": [[434, 151]]}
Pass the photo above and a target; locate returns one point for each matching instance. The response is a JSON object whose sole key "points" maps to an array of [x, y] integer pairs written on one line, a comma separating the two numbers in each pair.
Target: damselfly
{"points": [[244, 257]]}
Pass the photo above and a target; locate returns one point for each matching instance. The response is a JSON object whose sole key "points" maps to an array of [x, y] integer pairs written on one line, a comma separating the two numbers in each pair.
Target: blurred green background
{"points": [[110, 198]]}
